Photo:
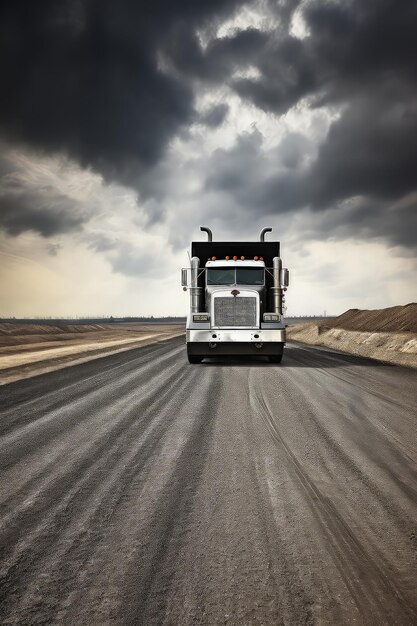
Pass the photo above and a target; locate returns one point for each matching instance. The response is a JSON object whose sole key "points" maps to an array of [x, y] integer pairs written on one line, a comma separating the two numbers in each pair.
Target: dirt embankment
{"points": [[388, 335], [30, 349]]}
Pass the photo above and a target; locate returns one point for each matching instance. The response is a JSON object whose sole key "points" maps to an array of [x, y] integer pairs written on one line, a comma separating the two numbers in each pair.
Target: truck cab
{"points": [[247, 280], [236, 299]]}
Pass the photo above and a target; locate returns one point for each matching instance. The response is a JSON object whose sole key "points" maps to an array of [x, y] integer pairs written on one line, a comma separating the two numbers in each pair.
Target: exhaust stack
{"points": [[263, 231], [195, 290], [208, 231], [276, 290]]}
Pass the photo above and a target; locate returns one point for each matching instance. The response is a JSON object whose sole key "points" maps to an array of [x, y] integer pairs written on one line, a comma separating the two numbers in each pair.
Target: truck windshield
{"points": [[233, 276], [221, 276], [249, 276]]}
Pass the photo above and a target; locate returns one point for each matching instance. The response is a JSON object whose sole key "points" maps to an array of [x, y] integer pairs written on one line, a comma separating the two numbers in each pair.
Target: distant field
{"points": [[27, 349], [307, 319]]}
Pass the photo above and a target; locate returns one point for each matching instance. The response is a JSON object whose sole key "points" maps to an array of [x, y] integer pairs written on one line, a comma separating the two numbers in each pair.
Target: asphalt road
{"points": [[139, 489]]}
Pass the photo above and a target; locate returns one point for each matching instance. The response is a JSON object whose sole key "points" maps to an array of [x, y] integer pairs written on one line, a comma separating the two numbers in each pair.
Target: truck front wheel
{"points": [[193, 358], [275, 358]]}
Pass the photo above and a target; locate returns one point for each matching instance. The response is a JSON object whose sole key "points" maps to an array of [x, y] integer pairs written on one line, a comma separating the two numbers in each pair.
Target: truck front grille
{"points": [[234, 311]]}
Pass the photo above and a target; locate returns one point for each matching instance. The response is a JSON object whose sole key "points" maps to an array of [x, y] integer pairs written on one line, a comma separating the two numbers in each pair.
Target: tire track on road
{"points": [[143, 490], [354, 561], [41, 529]]}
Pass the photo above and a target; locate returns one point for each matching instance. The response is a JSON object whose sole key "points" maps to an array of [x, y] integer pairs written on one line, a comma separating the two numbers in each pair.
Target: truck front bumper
{"points": [[236, 342]]}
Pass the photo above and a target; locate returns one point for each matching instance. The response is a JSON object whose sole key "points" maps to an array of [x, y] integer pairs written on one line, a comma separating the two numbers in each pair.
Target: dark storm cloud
{"points": [[352, 47], [220, 58], [368, 219], [25, 205], [357, 45], [24, 211], [84, 78], [110, 84], [371, 150], [360, 56], [286, 75], [288, 180], [263, 181], [46, 215]]}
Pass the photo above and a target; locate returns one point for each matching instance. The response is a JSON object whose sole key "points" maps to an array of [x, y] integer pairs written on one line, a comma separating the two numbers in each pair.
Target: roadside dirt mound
{"points": [[388, 335], [393, 319]]}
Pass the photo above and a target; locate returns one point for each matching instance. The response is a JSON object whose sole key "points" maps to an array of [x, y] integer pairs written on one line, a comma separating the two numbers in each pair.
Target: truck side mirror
{"points": [[184, 277], [285, 277]]}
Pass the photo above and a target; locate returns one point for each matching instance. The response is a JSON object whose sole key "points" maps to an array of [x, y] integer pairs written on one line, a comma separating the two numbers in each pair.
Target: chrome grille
{"points": [[234, 311]]}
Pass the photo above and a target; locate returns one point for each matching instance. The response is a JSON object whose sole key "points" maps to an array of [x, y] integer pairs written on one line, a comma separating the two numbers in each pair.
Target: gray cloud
{"points": [[132, 262], [100, 242], [54, 248], [371, 151], [266, 182], [214, 116], [287, 74], [84, 79], [20, 212], [361, 57], [111, 87], [284, 182], [35, 205], [352, 47], [219, 59], [371, 219]]}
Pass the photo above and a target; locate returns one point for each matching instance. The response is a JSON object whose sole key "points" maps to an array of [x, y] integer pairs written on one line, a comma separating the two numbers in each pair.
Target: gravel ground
{"points": [[28, 350], [139, 489]]}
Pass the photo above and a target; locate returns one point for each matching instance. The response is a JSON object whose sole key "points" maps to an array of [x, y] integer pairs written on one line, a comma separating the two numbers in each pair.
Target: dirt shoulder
{"points": [[399, 348], [28, 349]]}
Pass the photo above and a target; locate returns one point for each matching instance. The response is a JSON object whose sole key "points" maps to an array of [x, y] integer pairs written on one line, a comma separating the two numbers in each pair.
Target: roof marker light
{"points": [[213, 258], [235, 258], [242, 258], [255, 258], [227, 258]]}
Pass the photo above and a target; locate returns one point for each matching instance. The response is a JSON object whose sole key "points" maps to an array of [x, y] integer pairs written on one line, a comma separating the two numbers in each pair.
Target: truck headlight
{"points": [[271, 317], [201, 317]]}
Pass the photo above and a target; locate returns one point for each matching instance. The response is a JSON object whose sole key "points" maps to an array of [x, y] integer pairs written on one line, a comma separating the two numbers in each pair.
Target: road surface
{"points": [[139, 489]]}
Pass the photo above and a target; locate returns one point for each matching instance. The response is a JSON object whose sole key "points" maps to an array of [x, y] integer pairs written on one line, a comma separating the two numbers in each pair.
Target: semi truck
{"points": [[237, 294]]}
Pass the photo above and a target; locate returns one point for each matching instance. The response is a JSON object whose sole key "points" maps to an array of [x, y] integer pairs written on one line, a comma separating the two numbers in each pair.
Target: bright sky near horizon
{"points": [[125, 126]]}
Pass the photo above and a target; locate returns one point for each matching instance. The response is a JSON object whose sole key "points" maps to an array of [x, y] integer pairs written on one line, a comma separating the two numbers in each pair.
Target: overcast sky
{"points": [[125, 125]]}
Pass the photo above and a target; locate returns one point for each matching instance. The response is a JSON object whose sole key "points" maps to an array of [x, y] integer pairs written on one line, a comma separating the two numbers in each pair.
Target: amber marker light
{"points": [[255, 258], [213, 258], [227, 258]]}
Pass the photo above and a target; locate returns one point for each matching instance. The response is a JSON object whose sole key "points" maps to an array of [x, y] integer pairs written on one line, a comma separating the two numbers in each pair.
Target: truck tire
{"points": [[275, 358], [194, 359]]}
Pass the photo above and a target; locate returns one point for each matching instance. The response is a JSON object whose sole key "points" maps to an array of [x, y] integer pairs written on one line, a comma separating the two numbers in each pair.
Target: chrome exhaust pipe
{"points": [[263, 231], [276, 290], [208, 231], [195, 290]]}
